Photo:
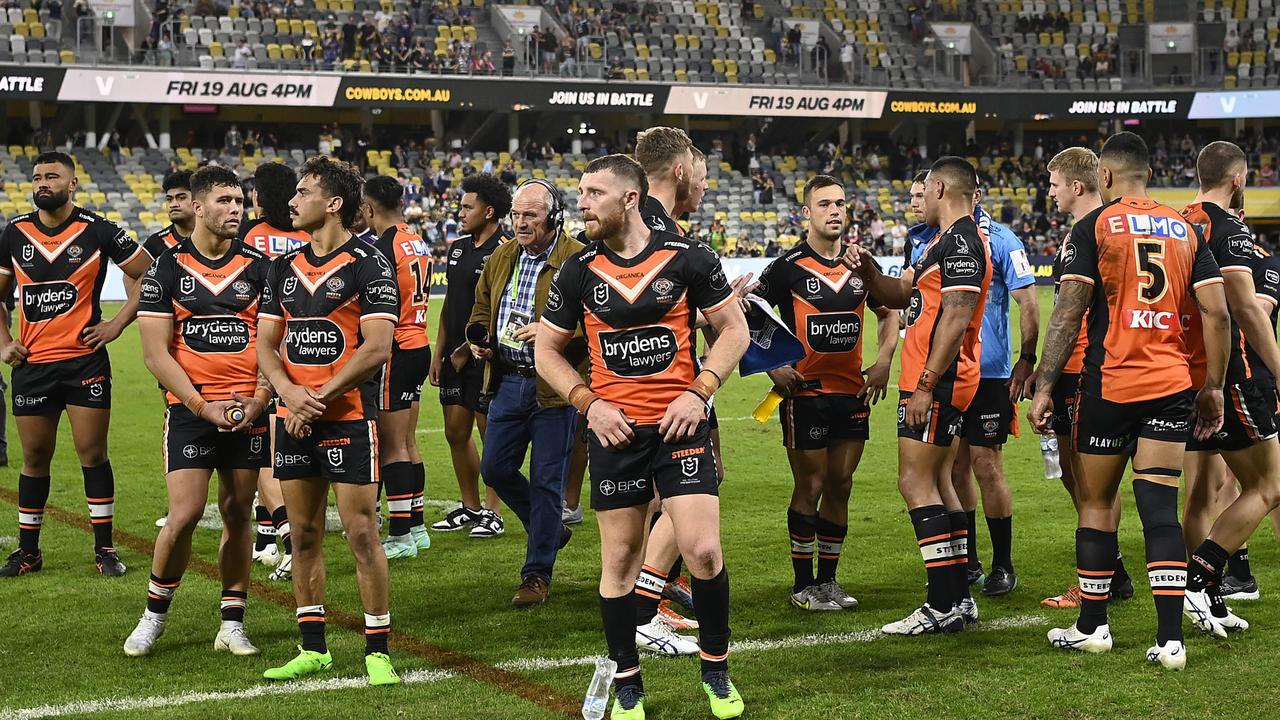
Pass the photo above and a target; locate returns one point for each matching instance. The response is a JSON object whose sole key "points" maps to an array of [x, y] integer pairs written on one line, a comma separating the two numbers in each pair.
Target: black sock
{"points": [[1205, 568], [160, 592], [233, 605], [266, 530], [281, 519], [971, 524], [311, 624], [1001, 530], [711, 603], [933, 535], [676, 567], [1238, 564], [803, 530], [830, 543], [648, 592], [1166, 554], [619, 617], [398, 480], [377, 633], [1121, 573], [100, 492], [960, 542], [1095, 566], [33, 495], [419, 487]]}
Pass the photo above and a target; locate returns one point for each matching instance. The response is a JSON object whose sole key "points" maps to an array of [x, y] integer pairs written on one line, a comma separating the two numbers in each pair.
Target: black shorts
{"points": [[194, 444], [400, 379], [1109, 428], [990, 415], [464, 388], [944, 423], [43, 388], [344, 451], [628, 477], [813, 422], [1249, 418], [1064, 403]]}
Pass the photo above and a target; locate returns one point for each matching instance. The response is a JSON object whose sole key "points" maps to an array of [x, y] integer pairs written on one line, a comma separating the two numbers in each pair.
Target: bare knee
{"points": [[457, 434], [704, 558]]}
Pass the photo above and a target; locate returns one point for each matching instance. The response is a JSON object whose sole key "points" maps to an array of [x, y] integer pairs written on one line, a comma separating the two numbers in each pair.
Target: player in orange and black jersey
{"points": [[1132, 264], [636, 292], [1073, 186], [273, 234], [486, 201], [182, 219], [826, 413], [198, 319], [1247, 441], [57, 257], [328, 318], [944, 294], [399, 383]]}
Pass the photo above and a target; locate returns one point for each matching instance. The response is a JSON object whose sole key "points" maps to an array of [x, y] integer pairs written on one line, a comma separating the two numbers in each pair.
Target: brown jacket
{"points": [[493, 282]]}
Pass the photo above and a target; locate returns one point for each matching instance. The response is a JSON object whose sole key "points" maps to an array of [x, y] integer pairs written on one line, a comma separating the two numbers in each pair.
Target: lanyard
{"points": [[515, 279]]}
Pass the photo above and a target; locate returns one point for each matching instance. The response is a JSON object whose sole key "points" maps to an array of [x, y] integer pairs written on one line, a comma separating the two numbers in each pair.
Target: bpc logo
{"points": [[607, 487], [190, 452]]}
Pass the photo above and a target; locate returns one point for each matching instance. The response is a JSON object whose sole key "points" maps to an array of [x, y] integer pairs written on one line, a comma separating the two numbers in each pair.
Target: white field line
{"points": [[8, 541], [155, 702], [795, 641], [427, 676]]}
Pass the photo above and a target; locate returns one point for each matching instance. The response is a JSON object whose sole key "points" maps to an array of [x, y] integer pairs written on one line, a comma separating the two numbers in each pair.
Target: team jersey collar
{"points": [[811, 252], [73, 217], [639, 258], [173, 230], [317, 261], [654, 208], [189, 246]]}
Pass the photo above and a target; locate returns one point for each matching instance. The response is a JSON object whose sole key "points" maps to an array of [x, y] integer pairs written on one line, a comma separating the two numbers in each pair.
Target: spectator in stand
{"points": [[403, 54], [420, 57], [1267, 176], [331, 49], [794, 38], [367, 38], [917, 28], [241, 58], [483, 65], [1232, 42], [165, 50], [232, 141], [846, 59], [349, 31], [508, 59]]}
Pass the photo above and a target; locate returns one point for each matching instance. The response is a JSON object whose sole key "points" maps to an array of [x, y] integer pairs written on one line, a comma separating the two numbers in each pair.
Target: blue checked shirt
{"points": [[518, 297]]}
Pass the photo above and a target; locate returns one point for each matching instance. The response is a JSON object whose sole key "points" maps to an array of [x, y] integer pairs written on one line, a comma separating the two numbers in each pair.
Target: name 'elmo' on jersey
{"points": [[639, 315], [60, 272], [409, 255], [214, 306], [322, 301]]}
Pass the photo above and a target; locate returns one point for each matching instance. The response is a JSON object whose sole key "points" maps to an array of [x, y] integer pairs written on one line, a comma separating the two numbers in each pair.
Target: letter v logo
{"points": [[104, 84], [700, 99], [1228, 104]]}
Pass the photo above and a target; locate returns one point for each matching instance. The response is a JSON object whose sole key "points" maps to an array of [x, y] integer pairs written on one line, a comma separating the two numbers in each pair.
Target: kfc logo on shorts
{"points": [[190, 452], [689, 466], [187, 285], [335, 457]]}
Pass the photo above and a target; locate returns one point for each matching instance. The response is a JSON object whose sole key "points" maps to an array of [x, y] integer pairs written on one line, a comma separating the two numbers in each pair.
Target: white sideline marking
{"points": [[427, 676], [7, 540], [164, 701], [795, 641]]}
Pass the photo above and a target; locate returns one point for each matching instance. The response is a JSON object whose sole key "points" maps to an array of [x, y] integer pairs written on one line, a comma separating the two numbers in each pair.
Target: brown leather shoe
{"points": [[533, 592]]}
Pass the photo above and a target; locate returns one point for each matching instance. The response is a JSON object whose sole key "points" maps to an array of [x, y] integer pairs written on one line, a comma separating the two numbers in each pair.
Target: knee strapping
{"points": [[1157, 504]]}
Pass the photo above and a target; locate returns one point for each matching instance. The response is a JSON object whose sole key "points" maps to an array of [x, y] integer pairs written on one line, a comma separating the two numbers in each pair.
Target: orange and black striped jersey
{"points": [[957, 260], [1231, 244], [272, 241], [822, 302], [322, 301], [158, 242], [59, 274], [411, 258], [638, 314], [1266, 285], [1143, 261], [1075, 363], [214, 306]]}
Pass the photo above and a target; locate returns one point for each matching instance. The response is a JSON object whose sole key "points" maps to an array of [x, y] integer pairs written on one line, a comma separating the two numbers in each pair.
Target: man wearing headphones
{"points": [[510, 298]]}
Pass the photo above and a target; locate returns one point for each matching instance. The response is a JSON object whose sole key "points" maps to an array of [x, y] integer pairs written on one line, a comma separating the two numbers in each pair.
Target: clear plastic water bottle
{"points": [[596, 702], [1052, 464]]}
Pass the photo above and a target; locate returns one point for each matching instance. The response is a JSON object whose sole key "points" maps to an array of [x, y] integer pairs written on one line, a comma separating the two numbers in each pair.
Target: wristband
{"points": [[196, 404], [581, 397], [928, 380], [719, 380], [704, 389], [260, 391], [698, 394]]}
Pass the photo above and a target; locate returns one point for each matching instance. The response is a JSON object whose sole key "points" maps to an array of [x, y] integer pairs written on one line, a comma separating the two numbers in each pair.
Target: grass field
{"points": [[466, 654]]}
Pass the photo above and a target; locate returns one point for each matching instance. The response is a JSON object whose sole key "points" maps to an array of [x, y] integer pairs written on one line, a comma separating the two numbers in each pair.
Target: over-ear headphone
{"points": [[555, 218]]}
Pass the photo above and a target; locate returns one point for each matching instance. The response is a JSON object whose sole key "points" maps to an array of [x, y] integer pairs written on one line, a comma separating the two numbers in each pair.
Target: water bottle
{"points": [[1049, 449], [765, 409], [596, 702]]}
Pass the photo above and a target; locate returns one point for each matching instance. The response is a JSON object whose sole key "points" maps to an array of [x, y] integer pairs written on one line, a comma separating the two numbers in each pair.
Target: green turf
{"points": [[64, 626]]}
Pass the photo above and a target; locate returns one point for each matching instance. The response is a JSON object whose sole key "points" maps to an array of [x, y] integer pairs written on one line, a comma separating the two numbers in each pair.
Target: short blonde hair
{"points": [[659, 147], [1077, 164]]}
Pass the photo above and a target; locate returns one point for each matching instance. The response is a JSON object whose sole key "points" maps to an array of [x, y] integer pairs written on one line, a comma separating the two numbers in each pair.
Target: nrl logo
{"points": [[689, 466], [187, 285]]}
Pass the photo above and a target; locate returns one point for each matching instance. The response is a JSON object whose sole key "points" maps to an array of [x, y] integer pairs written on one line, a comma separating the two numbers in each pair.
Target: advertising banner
{"points": [[30, 82], [1235, 104], [774, 102], [482, 93], [217, 88]]}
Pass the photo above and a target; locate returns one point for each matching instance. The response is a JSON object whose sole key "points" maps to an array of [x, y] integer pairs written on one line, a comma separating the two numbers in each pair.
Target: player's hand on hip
{"points": [[918, 406], [14, 354], [682, 418], [877, 381], [786, 380], [611, 426], [100, 334], [302, 402], [1208, 413], [1041, 413]]}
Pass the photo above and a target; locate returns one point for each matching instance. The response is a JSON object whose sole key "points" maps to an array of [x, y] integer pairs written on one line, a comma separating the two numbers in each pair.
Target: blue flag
{"points": [[772, 344]]}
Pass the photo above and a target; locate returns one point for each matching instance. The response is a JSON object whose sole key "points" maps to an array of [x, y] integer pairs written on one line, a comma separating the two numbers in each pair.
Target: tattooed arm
{"points": [[958, 308], [1074, 297]]}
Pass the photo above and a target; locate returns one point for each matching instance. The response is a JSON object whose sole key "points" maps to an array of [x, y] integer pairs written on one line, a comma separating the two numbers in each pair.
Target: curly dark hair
{"points": [[385, 192], [276, 184], [491, 191], [339, 180], [209, 177], [180, 179]]}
